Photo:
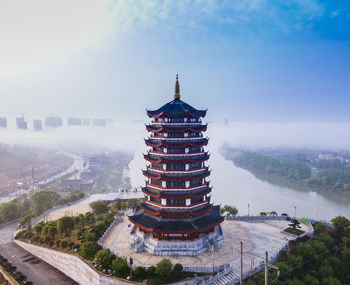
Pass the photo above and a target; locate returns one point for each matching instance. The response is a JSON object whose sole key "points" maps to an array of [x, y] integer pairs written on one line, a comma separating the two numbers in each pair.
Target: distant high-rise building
{"points": [[99, 122], [53, 122], [21, 124], [86, 122], [3, 123], [37, 125], [73, 121]]}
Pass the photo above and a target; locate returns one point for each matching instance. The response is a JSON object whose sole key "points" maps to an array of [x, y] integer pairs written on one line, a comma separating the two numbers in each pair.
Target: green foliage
{"points": [[99, 207], [291, 169], [178, 268], [44, 200], [152, 270], [90, 237], [38, 227], [99, 227], [65, 225], [121, 267], [27, 220], [230, 210], [323, 259], [88, 250], [64, 243], [164, 267], [11, 211], [104, 258], [140, 272]]}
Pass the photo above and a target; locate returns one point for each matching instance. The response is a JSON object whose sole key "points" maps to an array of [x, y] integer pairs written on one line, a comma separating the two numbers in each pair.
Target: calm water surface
{"points": [[236, 186]]}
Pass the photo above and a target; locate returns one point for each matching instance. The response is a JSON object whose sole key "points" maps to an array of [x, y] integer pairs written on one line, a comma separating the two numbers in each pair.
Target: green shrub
{"points": [[88, 250], [58, 243], [47, 239], [178, 268], [64, 243], [71, 244], [151, 270], [121, 267], [164, 267], [140, 272], [104, 258]]}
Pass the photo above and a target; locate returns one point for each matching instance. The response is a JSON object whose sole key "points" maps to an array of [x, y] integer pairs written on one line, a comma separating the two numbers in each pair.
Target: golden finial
{"points": [[177, 88]]}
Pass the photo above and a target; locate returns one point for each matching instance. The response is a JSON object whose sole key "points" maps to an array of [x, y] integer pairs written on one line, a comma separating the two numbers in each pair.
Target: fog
{"points": [[231, 184]]}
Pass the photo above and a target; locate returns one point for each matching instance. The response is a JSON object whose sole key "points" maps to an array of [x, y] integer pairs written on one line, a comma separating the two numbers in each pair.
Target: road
{"points": [[36, 270]]}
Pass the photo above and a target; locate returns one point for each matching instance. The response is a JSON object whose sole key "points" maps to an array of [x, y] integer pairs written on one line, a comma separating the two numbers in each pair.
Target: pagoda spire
{"points": [[177, 88]]}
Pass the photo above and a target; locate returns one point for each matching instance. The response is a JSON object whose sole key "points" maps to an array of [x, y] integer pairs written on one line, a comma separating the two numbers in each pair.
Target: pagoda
{"points": [[177, 217]]}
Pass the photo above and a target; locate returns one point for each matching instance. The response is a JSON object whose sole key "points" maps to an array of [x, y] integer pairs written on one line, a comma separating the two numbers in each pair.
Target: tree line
{"points": [[323, 259], [35, 205], [253, 161]]}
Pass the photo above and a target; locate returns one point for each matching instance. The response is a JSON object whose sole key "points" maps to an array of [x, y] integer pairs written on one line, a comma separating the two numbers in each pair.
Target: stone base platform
{"points": [[257, 237], [144, 242]]}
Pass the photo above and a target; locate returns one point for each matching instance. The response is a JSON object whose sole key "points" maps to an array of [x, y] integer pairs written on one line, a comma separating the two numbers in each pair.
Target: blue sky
{"points": [[247, 60]]}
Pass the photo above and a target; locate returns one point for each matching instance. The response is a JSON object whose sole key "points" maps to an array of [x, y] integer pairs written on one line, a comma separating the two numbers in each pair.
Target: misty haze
{"points": [[174, 142]]}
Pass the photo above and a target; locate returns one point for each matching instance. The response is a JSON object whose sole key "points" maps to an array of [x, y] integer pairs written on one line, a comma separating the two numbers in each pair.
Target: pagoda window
{"points": [[157, 165], [175, 134], [176, 201], [156, 200], [158, 149], [195, 165], [196, 200], [195, 149], [176, 150], [192, 134], [176, 167], [176, 120], [195, 182], [193, 120], [176, 184], [156, 182]]}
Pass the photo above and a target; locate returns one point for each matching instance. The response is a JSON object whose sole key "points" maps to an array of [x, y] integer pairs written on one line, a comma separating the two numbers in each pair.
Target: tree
{"points": [[88, 250], [65, 225], [178, 268], [90, 237], [164, 267], [99, 228], [99, 207], [151, 270], [121, 267], [341, 225], [27, 220], [104, 258], [38, 228], [140, 272], [230, 210], [44, 200], [294, 225]]}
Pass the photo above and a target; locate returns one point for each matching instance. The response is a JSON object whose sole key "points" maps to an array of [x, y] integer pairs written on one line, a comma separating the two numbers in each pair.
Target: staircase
{"points": [[230, 278]]}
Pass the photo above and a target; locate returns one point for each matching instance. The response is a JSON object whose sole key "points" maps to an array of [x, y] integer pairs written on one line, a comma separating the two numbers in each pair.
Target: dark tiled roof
{"points": [[177, 212], [171, 143], [192, 224], [177, 159], [178, 177], [176, 108], [183, 128], [175, 194]]}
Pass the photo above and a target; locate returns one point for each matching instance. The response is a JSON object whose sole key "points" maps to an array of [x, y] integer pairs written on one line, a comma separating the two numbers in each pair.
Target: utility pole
{"points": [[241, 269], [266, 269], [248, 209], [212, 256], [295, 212]]}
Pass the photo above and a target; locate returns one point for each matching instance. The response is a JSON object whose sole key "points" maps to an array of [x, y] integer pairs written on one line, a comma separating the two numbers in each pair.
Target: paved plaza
{"points": [[257, 237], [76, 209]]}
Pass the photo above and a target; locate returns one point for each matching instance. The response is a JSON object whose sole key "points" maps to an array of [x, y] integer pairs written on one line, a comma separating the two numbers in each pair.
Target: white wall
{"points": [[72, 265]]}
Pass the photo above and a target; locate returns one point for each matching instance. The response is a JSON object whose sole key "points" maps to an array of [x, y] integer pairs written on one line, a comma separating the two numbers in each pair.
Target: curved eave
{"points": [[171, 178], [162, 159], [159, 143], [154, 114], [181, 214], [156, 129], [176, 195]]}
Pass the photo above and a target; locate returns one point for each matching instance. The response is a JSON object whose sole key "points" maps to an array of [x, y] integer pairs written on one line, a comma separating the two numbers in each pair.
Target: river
{"points": [[238, 187]]}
